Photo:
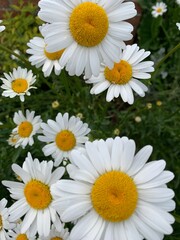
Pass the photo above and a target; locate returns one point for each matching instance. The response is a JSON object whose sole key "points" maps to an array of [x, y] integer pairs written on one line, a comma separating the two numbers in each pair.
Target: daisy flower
{"points": [[33, 195], [62, 136], [13, 139], [57, 235], [18, 83], [115, 194], [159, 9], [27, 127], [17, 234], [41, 57], [89, 31], [123, 77], [1, 27], [4, 220]]}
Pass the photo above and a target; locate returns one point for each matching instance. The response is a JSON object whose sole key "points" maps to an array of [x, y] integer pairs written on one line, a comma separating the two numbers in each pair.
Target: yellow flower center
{"points": [[22, 237], [114, 196], [19, 85], [25, 129], [120, 74], [65, 140], [56, 238], [54, 55], [37, 194], [1, 223], [88, 24], [159, 10]]}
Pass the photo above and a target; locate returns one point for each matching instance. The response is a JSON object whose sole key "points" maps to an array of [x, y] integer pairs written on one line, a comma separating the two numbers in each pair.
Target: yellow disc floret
{"points": [[120, 74], [159, 10], [25, 129], [1, 223], [54, 55], [22, 237], [19, 85], [56, 238], [114, 196], [88, 24], [65, 140], [37, 194]]}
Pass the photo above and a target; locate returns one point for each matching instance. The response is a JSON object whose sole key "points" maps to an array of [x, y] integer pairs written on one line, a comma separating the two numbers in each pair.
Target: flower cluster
{"points": [[89, 190]]}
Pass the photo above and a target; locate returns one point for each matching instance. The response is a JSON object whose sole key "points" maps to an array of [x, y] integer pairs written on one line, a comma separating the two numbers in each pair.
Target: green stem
{"points": [[15, 54], [166, 56], [22, 107]]}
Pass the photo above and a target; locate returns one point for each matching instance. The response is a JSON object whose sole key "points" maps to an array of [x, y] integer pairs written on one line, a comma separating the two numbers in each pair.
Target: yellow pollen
{"points": [[19, 85], [54, 55], [56, 238], [37, 194], [1, 223], [25, 129], [120, 74], [65, 140], [114, 196], [22, 237], [159, 10], [88, 24]]}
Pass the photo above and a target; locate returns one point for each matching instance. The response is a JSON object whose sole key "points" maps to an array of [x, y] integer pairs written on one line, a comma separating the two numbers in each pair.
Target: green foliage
{"points": [[159, 126]]}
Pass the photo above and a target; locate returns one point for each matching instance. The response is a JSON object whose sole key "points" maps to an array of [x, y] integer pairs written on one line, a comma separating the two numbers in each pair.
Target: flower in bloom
{"points": [[123, 77], [62, 136], [18, 83], [159, 9], [63, 234], [1, 27], [13, 139], [33, 195], [27, 127], [17, 234], [114, 194], [89, 31], [41, 57], [4, 220], [178, 26]]}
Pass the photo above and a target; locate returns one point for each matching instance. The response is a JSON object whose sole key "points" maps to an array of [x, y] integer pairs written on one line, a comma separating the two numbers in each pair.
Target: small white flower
{"points": [[123, 77], [178, 2], [90, 31], [178, 26], [18, 83], [62, 136], [17, 52], [13, 139], [159, 9], [1, 27], [115, 194], [42, 58], [27, 127], [63, 234], [17, 234], [4, 220], [33, 195]]}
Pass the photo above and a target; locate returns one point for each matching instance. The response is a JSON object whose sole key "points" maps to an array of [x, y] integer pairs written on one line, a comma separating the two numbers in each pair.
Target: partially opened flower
{"points": [[33, 195], [89, 31], [63, 135], [1, 27], [159, 9], [115, 194], [27, 127], [41, 57], [5, 224], [17, 234], [63, 234], [122, 79], [18, 83]]}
